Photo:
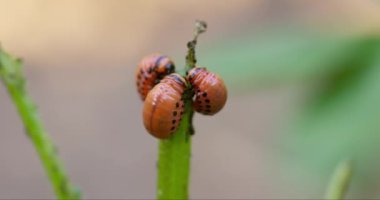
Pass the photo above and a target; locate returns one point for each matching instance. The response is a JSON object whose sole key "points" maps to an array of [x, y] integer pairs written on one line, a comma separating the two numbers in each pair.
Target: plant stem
{"points": [[200, 27], [340, 181], [175, 152], [14, 80], [174, 160]]}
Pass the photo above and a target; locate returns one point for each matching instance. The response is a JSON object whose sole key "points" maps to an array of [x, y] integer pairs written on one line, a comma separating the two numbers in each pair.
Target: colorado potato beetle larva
{"points": [[210, 91], [164, 106], [150, 71]]}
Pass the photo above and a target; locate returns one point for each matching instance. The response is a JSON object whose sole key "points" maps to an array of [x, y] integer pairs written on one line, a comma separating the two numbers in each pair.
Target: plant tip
{"points": [[201, 26]]}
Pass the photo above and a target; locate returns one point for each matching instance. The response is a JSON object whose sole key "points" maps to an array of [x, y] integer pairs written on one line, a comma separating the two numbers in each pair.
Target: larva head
{"points": [[210, 91], [164, 66], [164, 106], [150, 71], [196, 73], [176, 81]]}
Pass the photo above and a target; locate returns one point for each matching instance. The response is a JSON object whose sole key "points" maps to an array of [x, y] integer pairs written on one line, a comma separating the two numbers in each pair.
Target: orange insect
{"points": [[210, 91], [164, 106], [150, 71]]}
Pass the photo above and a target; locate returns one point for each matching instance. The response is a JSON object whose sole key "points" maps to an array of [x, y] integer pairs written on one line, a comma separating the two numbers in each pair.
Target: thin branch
{"points": [[200, 27], [14, 80]]}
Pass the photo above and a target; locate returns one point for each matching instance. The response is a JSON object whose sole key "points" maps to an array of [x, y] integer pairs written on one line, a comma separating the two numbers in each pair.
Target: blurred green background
{"points": [[303, 80]]}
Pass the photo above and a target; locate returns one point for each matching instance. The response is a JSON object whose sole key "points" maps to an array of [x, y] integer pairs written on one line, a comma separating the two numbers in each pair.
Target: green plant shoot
{"points": [[12, 76]]}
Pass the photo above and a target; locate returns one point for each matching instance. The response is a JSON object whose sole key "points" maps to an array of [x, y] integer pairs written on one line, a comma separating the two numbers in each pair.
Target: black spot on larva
{"points": [[204, 94], [200, 102], [177, 105], [175, 113], [208, 106], [207, 100], [150, 70], [181, 113], [139, 76], [174, 121], [187, 73], [172, 129], [170, 67]]}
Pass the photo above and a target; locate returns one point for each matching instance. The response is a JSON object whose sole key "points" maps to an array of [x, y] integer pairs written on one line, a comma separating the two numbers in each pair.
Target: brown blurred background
{"points": [[79, 59]]}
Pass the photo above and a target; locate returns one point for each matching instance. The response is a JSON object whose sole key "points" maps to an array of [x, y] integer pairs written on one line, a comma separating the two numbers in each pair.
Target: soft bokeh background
{"points": [[303, 80]]}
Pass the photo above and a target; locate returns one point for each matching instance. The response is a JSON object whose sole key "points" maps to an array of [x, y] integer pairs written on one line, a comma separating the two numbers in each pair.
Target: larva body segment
{"points": [[210, 91], [150, 71], [164, 106]]}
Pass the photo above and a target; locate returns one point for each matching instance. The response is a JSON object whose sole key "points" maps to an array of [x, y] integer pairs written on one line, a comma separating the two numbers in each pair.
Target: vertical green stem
{"points": [[174, 161], [339, 183], [14, 80], [175, 152]]}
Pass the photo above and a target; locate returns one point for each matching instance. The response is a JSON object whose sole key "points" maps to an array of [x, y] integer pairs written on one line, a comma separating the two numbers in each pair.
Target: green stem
{"points": [[14, 80], [200, 27], [340, 181], [174, 160], [175, 152]]}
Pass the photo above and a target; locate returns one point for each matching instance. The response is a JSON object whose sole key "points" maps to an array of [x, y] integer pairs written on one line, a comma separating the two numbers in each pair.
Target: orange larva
{"points": [[150, 71], [164, 106], [210, 91]]}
